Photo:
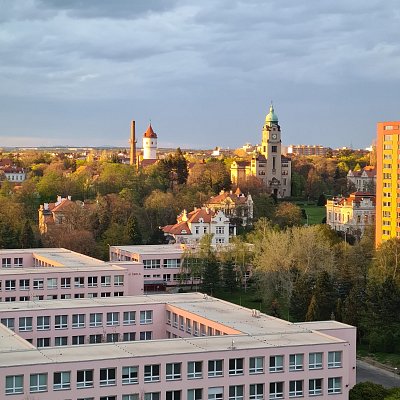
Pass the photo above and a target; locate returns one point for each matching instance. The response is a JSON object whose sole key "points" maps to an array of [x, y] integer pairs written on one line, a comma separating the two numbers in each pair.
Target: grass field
{"points": [[390, 359], [315, 213], [248, 298]]}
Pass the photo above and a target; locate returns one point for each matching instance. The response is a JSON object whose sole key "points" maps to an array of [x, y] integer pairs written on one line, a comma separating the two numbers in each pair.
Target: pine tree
{"points": [[133, 231], [27, 238]]}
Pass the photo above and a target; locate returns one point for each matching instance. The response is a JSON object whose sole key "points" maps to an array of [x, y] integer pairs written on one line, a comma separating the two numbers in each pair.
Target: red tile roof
{"points": [[150, 133], [181, 228]]}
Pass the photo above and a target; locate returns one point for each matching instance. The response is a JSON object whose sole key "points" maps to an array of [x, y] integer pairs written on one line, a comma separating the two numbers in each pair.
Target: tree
{"points": [[368, 391], [288, 214], [264, 206], [133, 231], [228, 271], [27, 237]]}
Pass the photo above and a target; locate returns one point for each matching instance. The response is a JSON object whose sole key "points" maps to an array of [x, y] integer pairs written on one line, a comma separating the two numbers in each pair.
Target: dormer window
{"points": [[183, 231], [201, 220]]}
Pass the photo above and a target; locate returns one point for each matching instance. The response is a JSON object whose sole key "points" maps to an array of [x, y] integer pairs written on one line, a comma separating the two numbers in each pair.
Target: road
{"points": [[367, 372]]}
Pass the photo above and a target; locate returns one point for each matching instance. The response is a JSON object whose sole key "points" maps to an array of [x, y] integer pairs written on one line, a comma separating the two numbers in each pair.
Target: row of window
{"points": [[62, 296], [156, 263], [91, 339], [63, 283], [6, 262], [107, 377], [114, 318]]}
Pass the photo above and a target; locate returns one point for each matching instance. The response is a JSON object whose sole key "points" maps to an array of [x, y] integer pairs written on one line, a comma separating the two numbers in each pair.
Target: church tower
{"points": [[149, 144]]}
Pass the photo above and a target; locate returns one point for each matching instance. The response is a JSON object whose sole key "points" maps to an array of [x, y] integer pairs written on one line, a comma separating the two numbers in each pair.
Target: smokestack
{"points": [[132, 142]]}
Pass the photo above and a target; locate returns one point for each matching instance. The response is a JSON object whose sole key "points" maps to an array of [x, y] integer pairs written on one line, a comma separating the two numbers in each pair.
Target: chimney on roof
{"points": [[207, 210], [46, 206], [184, 216], [69, 198]]}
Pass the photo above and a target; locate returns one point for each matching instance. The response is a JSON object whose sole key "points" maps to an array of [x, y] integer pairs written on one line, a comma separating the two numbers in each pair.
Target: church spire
{"points": [[271, 116]]}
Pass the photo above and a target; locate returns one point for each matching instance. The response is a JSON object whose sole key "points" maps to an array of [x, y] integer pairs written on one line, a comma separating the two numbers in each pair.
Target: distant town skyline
{"points": [[76, 73]]}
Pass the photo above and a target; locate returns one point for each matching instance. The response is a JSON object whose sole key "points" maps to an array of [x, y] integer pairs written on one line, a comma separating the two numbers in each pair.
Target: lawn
{"points": [[390, 359], [315, 213], [248, 298]]}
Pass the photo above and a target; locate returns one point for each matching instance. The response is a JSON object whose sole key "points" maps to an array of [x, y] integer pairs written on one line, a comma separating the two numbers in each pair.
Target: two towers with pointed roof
{"points": [[149, 144]]}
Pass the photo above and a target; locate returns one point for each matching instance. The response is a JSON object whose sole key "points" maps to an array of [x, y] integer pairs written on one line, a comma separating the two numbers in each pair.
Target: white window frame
{"points": [[195, 369], [255, 393], [296, 362], [313, 388], [256, 365], [78, 321], [129, 318], [296, 388], [92, 281], [195, 394], [276, 363], [112, 318], [334, 359], [107, 376], [173, 371], [236, 392], [38, 382], [96, 319], [64, 378], [146, 317], [25, 324], [62, 322], [236, 366], [275, 392], [152, 373], [52, 283], [24, 284], [315, 360], [334, 385], [65, 283], [118, 280], [43, 322], [105, 280], [130, 375], [87, 378], [14, 384], [215, 368]]}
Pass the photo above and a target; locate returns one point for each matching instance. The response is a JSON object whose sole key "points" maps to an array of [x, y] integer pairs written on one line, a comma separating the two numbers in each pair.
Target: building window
{"points": [[195, 369], [134, 396], [95, 338], [146, 317], [92, 281], [61, 341], [151, 264], [79, 281], [14, 384], [43, 323], [43, 342], [257, 391], [24, 284], [107, 398], [236, 392], [334, 359], [129, 317], [173, 371], [105, 281], [334, 385], [51, 283], [38, 383], [256, 365], [276, 390], [96, 319], [65, 283], [112, 337], [84, 378], [315, 361], [188, 325], [9, 323], [146, 335], [215, 368], [62, 380], [25, 324], [129, 375], [315, 387], [129, 336], [173, 395], [220, 230], [118, 280], [18, 262], [195, 394], [78, 320], [296, 362], [107, 376], [6, 262], [152, 396], [80, 339], [215, 393], [112, 318], [295, 388], [172, 262], [61, 322], [236, 366], [276, 364], [10, 284], [152, 373]]}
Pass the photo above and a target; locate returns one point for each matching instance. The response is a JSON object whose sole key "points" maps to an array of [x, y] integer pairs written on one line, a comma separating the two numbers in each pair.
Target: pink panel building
{"points": [[181, 346]]}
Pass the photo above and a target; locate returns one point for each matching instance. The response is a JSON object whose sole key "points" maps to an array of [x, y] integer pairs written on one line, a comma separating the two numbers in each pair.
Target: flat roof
{"points": [[151, 248], [65, 257], [256, 331], [58, 269], [11, 342]]}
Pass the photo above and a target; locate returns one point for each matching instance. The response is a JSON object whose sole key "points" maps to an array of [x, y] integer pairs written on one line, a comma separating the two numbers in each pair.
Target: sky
{"points": [[204, 72]]}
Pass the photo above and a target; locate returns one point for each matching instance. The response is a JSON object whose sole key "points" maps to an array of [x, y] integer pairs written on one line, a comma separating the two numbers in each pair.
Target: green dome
{"points": [[271, 116]]}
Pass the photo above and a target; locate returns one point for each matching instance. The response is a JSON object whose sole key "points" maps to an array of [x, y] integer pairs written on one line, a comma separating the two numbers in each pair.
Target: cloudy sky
{"points": [[75, 72]]}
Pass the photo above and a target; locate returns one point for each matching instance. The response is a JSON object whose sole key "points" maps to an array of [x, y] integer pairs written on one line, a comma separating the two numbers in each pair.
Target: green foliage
{"points": [[288, 215], [368, 391], [264, 206]]}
